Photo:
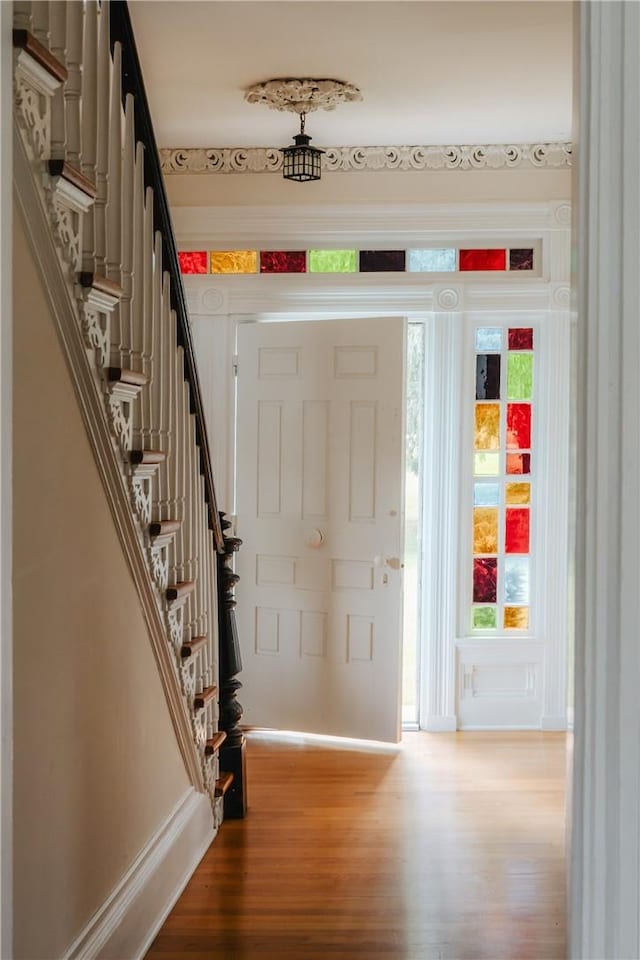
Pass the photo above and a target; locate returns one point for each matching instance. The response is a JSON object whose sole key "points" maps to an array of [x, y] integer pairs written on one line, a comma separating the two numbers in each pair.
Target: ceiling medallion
{"points": [[302, 94]]}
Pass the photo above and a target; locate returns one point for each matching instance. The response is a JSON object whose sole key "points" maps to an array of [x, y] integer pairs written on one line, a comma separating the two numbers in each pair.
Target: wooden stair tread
{"points": [[202, 699], [223, 783], [214, 744], [179, 590], [87, 279], [147, 456], [120, 375], [61, 168], [191, 647], [27, 42], [163, 528]]}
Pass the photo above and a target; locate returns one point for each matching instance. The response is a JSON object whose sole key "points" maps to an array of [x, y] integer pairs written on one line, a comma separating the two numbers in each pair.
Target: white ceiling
{"points": [[430, 72]]}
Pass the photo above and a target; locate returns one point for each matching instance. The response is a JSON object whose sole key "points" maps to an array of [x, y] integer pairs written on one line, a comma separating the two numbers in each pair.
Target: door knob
{"points": [[315, 539], [394, 563]]}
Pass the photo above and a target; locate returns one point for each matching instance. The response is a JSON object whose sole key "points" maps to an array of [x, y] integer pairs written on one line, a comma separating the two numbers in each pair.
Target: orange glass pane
{"points": [[518, 493], [485, 530], [234, 261], [487, 431], [516, 618]]}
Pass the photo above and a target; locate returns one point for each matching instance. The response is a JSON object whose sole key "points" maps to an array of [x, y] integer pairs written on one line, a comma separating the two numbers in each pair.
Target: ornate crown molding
{"points": [[302, 95], [495, 156]]}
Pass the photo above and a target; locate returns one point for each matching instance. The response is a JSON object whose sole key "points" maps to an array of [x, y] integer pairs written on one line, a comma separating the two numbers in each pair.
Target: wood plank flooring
{"points": [[450, 847]]}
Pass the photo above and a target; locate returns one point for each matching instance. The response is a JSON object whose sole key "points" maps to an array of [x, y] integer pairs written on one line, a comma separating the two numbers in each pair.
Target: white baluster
{"points": [[104, 68], [122, 336], [40, 15], [73, 86], [117, 160], [89, 126], [133, 345], [23, 15], [58, 29]]}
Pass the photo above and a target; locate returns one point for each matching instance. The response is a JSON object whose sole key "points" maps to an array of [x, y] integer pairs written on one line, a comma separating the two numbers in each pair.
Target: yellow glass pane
{"points": [[516, 618], [518, 493], [487, 432], [486, 464], [485, 530], [234, 261]]}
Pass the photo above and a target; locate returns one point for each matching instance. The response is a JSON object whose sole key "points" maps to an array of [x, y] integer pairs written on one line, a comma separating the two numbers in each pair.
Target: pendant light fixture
{"points": [[301, 161]]}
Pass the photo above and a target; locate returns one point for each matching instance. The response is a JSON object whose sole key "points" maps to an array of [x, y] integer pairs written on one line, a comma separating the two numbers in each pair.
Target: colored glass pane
{"points": [[516, 530], [521, 259], [486, 494], [518, 463], [488, 338], [487, 431], [485, 530], [516, 618], [518, 493], [520, 338], [193, 261], [483, 260], [332, 261], [516, 579], [234, 261], [382, 261], [519, 376], [485, 579], [518, 426], [432, 261], [488, 376], [486, 464], [283, 261], [484, 618]]}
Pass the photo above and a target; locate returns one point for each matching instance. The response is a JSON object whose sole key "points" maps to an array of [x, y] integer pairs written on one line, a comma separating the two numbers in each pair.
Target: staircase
{"points": [[88, 181]]}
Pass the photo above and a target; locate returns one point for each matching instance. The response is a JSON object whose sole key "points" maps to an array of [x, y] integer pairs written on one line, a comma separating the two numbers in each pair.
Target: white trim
{"points": [[493, 156], [6, 546], [439, 724], [94, 415], [554, 723], [131, 916]]}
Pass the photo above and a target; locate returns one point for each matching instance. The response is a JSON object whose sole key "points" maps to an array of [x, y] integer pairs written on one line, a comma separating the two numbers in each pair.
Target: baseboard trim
{"points": [[441, 724], [553, 723], [125, 925]]}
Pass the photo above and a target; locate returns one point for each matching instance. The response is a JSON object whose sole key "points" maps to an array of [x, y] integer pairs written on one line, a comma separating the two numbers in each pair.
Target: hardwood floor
{"points": [[450, 847]]}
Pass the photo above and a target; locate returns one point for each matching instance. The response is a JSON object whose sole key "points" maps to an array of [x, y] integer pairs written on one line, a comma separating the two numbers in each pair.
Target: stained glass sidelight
{"points": [[283, 261], [234, 261], [193, 261], [431, 261], [332, 261], [483, 260], [504, 363]]}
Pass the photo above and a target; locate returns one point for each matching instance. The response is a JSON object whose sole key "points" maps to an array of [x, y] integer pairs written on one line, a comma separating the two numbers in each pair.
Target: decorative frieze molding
{"points": [[495, 156]]}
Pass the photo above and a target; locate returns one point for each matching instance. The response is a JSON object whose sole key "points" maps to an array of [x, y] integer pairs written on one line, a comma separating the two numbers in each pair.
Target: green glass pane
{"points": [[486, 464], [484, 618], [332, 261], [519, 376]]}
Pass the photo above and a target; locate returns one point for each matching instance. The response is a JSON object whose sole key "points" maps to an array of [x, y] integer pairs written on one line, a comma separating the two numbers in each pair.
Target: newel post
{"points": [[232, 753]]}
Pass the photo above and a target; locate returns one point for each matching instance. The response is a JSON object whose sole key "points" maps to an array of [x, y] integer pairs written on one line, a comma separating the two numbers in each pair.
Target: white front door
{"points": [[319, 506]]}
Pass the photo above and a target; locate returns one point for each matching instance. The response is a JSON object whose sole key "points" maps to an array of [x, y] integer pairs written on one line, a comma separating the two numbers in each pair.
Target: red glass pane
{"points": [[193, 261], [483, 259], [518, 463], [283, 261], [518, 426], [520, 338], [516, 538], [485, 579]]}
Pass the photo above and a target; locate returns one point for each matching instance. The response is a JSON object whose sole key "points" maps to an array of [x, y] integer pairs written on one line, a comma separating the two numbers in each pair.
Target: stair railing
{"points": [[83, 118]]}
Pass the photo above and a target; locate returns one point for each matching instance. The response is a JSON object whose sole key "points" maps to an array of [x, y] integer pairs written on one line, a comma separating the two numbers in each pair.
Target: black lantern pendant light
{"points": [[301, 161]]}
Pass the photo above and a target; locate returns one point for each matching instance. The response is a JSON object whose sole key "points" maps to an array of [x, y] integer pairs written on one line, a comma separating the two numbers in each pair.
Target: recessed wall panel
{"points": [[362, 461], [315, 420], [267, 640], [275, 571], [278, 362], [269, 458], [355, 362], [359, 638], [313, 634], [352, 575]]}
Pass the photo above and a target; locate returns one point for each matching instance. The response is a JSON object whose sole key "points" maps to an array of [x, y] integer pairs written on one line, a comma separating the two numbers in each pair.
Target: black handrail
{"points": [[132, 82]]}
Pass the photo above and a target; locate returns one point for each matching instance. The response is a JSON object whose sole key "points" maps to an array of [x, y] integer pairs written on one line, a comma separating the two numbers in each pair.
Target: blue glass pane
{"points": [[488, 338], [432, 261], [516, 580], [486, 494]]}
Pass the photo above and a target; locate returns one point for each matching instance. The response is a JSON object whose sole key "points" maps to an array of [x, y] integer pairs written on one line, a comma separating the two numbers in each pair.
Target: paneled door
{"points": [[320, 441]]}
